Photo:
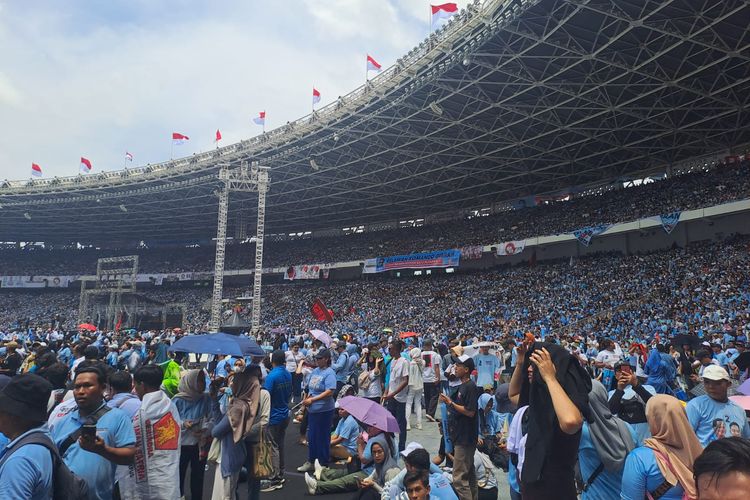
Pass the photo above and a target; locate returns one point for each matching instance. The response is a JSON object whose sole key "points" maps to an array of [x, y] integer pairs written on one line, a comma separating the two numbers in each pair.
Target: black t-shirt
{"points": [[464, 430]]}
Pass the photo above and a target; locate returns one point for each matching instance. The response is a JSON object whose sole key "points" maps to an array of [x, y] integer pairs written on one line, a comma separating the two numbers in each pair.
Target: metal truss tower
{"points": [[254, 179]]}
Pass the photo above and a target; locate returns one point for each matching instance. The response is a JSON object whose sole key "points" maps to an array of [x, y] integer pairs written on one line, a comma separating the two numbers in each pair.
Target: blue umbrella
{"points": [[218, 343]]}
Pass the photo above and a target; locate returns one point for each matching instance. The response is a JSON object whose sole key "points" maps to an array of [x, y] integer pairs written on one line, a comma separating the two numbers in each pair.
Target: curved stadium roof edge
{"points": [[512, 98]]}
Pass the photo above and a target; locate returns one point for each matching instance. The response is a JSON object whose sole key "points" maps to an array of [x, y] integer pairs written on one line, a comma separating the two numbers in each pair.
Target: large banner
{"points": [[669, 221], [304, 272], [36, 281], [511, 247], [441, 258], [473, 252], [586, 234]]}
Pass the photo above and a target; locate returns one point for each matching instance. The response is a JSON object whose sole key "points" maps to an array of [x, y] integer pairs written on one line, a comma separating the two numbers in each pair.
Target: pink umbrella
{"points": [[743, 401], [369, 413], [322, 336]]}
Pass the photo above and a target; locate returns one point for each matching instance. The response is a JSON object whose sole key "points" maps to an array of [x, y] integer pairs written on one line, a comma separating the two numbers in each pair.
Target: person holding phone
{"points": [[628, 401]]}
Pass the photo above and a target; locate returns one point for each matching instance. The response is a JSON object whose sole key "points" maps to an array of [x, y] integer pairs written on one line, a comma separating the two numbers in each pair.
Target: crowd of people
{"points": [[697, 189]]}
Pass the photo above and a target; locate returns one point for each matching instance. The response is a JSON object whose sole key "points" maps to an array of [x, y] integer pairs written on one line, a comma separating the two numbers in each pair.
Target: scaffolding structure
{"points": [[114, 277], [242, 179]]}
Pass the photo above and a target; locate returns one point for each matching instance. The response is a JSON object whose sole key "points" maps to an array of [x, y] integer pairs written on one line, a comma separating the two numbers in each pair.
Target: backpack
{"points": [[65, 484]]}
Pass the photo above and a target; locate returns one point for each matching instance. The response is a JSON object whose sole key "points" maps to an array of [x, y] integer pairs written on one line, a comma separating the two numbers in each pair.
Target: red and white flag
{"points": [[443, 11], [372, 64], [316, 96], [85, 165], [36, 170], [179, 139], [260, 119], [128, 156], [218, 136]]}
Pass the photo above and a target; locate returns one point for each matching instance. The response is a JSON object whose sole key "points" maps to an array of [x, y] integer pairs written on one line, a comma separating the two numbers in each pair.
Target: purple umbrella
{"points": [[369, 413], [322, 336], [744, 388]]}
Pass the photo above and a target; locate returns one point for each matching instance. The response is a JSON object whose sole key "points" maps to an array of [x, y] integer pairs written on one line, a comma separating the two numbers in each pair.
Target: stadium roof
{"points": [[509, 99]]}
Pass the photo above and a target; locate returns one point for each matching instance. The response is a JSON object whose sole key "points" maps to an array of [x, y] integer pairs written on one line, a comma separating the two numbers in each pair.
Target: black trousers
{"points": [[189, 454], [431, 393], [398, 410], [278, 433]]}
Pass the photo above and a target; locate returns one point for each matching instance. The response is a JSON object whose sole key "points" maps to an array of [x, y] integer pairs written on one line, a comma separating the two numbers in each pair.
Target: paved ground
{"points": [[294, 488]]}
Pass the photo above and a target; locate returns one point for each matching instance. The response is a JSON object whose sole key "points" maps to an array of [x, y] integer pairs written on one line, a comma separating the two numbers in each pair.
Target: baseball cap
{"points": [[716, 372], [411, 447], [467, 361]]}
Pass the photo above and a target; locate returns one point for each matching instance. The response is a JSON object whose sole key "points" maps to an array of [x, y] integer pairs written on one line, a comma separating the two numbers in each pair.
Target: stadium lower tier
{"points": [[703, 288]]}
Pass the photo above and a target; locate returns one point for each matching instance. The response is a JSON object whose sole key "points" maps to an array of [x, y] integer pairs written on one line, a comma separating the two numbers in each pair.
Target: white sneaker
{"points": [[408, 426], [419, 427], [312, 484], [318, 469], [306, 467]]}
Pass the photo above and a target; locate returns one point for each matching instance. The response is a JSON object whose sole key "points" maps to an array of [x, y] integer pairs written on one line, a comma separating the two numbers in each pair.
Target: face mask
{"points": [[237, 369]]}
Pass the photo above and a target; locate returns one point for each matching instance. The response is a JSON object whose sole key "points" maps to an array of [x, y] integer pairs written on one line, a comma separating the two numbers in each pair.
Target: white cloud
{"points": [[79, 79]]}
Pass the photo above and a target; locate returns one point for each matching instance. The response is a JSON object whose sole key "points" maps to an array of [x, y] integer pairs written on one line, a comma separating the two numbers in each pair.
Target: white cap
{"points": [[716, 372], [411, 447]]}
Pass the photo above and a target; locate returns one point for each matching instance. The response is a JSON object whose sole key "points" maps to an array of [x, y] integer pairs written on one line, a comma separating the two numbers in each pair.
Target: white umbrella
{"points": [[322, 336]]}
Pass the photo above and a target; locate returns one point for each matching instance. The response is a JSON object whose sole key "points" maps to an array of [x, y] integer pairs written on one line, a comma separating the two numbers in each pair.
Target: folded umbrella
{"points": [[218, 343], [369, 413]]}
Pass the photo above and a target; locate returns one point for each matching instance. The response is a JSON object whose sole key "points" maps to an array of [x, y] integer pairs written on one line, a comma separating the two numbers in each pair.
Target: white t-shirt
{"points": [[431, 360], [608, 358], [399, 373], [292, 360]]}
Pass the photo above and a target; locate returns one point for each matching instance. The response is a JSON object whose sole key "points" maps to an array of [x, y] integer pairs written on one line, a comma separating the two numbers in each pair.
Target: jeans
{"points": [[398, 410], [431, 393], [189, 454], [414, 399], [319, 436], [278, 434]]}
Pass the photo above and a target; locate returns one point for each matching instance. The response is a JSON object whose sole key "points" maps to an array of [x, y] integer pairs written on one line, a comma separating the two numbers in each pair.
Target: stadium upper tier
{"points": [[511, 99], [702, 188]]}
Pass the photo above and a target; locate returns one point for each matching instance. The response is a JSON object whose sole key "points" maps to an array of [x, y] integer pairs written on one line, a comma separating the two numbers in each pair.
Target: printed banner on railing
{"points": [[586, 234], [669, 221], [441, 258], [35, 281], [473, 252], [511, 247], [303, 272]]}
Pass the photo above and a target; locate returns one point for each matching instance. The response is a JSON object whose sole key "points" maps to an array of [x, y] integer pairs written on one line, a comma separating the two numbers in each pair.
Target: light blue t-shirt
{"points": [[348, 429], [27, 473], [321, 381], [115, 428], [606, 484], [641, 474], [486, 365], [224, 367], [713, 420]]}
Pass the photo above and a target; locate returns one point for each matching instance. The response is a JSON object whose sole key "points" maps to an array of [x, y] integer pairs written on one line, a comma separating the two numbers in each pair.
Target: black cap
{"points": [[467, 361], [26, 396], [323, 353]]}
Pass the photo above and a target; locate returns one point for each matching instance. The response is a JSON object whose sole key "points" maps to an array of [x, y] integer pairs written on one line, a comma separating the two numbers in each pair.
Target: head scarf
{"points": [[542, 419], [611, 435], [243, 405], [489, 422], [188, 386], [388, 463], [673, 440]]}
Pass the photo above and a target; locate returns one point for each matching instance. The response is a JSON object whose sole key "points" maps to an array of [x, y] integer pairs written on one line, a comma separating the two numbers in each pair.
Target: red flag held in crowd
{"points": [[320, 311]]}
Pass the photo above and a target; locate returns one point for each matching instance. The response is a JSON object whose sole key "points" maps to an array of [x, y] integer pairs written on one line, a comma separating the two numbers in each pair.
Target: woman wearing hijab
{"points": [[231, 429], [194, 406], [416, 387], [663, 466], [605, 443], [555, 387]]}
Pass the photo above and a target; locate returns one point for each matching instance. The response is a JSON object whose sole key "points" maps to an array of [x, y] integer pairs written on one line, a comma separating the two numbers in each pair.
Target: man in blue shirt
{"points": [[713, 416], [341, 366], [487, 365], [94, 457], [25, 469], [279, 385]]}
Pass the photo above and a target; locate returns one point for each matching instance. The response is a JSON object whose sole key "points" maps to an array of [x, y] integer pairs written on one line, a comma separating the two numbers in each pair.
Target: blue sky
{"points": [[96, 79]]}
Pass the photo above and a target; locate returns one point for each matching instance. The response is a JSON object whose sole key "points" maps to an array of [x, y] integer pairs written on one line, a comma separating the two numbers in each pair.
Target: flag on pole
{"points": [[36, 170], [316, 96], [218, 136], [85, 165], [443, 11], [128, 156], [372, 64], [260, 119], [179, 139]]}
